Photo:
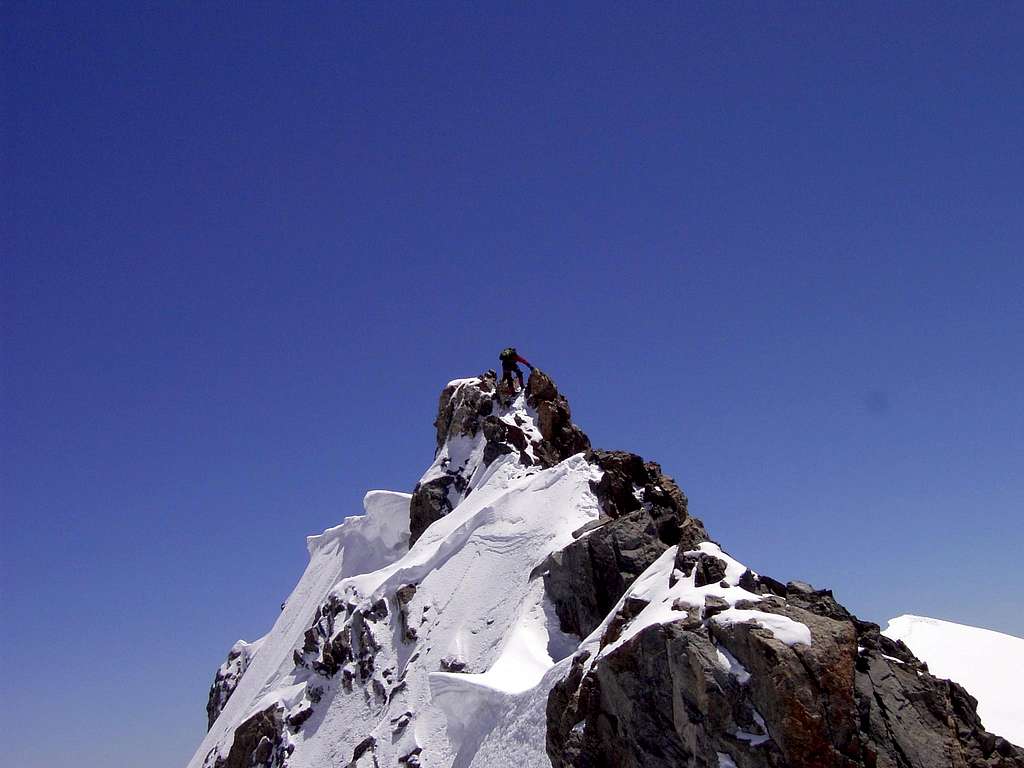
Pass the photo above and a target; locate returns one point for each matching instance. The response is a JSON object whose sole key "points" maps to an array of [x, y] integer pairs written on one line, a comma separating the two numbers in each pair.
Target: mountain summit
{"points": [[535, 602]]}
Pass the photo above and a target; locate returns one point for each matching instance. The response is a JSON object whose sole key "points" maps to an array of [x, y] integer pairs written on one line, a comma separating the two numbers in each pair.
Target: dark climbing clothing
{"points": [[508, 371], [509, 357]]}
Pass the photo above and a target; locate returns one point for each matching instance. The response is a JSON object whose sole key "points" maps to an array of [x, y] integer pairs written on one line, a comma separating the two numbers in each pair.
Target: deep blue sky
{"points": [[778, 249]]}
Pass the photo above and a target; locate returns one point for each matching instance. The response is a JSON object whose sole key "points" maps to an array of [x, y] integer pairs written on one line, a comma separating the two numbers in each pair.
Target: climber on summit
{"points": [[509, 357]]}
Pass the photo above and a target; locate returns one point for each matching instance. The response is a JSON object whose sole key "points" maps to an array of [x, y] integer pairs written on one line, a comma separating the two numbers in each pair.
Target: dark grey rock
{"points": [[660, 700], [259, 742], [363, 756], [761, 585], [404, 596], [643, 513], [631, 608], [705, 569], [799, 587], [296, 719], [430, 502], [713, 606], [630, 484], [663, 699], [586, 579], [452, 664], [226, 680]]}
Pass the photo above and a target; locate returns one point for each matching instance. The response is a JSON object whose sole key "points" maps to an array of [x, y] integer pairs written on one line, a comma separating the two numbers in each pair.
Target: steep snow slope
{"points": [[470, 603], [474, 609], [360, 542], [990, 665]]}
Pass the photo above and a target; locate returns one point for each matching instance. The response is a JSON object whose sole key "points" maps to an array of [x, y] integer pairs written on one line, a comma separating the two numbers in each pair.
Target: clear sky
{"points": [[776, 247]]}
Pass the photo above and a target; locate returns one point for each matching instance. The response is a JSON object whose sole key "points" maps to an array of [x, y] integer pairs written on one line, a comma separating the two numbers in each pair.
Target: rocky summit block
{"points": [[561, 438], [462, 404], [473, 409]]}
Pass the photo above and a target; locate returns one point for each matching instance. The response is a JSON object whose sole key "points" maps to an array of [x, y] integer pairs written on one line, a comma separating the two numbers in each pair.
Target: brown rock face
{"points": [[258, 742], [431, 501], [804, 693], [562, 438], [851, 699]]}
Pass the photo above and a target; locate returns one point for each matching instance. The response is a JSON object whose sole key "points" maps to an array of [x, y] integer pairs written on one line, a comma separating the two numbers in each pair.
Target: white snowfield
{"points": [[990, 665]]}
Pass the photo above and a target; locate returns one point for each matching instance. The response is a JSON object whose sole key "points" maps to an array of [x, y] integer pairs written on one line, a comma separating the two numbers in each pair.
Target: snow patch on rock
{"points": [[783, 628]]}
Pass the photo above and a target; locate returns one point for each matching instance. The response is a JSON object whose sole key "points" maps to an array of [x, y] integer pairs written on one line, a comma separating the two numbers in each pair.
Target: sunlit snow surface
{"points": [[990, 665]]}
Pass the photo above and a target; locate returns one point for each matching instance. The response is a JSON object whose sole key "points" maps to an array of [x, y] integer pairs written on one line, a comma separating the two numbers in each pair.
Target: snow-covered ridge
{"points": [[529, 595], [368, 540], [383, 524], [460, 598], [990, 665]]}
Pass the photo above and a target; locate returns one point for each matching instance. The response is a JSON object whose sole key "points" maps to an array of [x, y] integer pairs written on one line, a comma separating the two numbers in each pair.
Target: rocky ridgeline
{"points": [[644, 514], [686, 691], [473, 407], [850, 698], [853, 697]]}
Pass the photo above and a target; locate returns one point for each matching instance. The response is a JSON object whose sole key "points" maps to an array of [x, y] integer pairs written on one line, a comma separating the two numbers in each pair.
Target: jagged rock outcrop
{"points": [[664, 697], [432, 500], [700, 692], [345, 638], [473, 409], [644, 513], [258, 743], [462, 404], [562, 438], [227, 677]]}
